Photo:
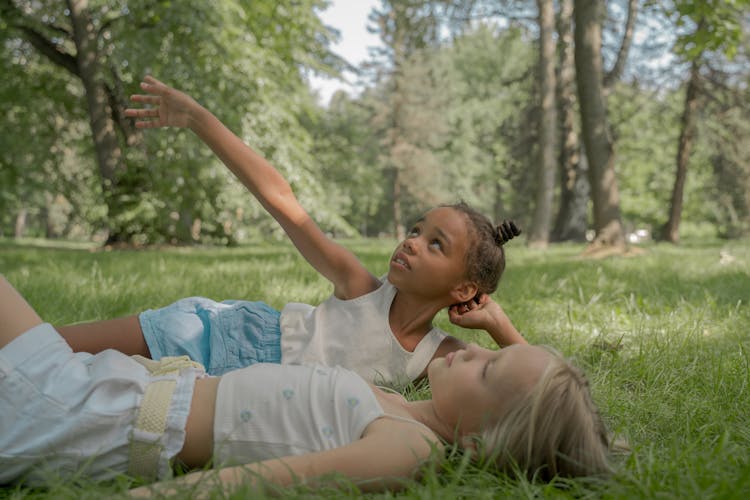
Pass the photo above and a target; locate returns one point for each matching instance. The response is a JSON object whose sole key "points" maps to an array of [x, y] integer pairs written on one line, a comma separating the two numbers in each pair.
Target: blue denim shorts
{"points": [[222, 336]]}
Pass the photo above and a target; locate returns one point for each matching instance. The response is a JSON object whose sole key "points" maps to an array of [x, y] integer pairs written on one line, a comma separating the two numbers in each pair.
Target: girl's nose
{"points": [[409, 245], [470, 351]]}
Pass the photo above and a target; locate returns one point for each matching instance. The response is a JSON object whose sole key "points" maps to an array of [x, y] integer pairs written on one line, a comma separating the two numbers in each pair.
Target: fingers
{"points": [[152, 86], [150, 79], [146, 124], [146, 99], [454, 316], [147, 117], [142, 112]]}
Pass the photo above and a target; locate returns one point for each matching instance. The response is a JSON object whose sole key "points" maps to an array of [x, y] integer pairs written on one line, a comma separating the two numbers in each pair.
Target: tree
{"points": [[405, 27], [595, 126], [346, 149], [540, 226], [84, 63], [572, 216], [242, 54], [717, 28]]}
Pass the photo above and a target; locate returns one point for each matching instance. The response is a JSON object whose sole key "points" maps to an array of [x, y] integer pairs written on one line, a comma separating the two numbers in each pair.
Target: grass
{"points": [[663, 336]]}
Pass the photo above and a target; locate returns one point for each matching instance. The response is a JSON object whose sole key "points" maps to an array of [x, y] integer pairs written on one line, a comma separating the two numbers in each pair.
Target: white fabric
{"points": [[354, 334], [64, 414], [271, 411]]}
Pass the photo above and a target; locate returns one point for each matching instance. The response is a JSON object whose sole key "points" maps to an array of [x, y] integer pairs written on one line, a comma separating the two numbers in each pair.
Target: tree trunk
{"points": [[622, 54], [396, 131], [20, 226], [594, 124], [540, 227], [398, 228], [498, 209], [572, 216], [671, 230], [106, 143]]}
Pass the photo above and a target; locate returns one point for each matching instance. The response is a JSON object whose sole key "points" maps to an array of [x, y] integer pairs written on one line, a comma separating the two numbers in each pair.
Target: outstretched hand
{"points": [[167, 107]]}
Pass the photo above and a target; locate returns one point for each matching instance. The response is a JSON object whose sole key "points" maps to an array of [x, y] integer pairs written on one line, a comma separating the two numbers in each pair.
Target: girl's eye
{"points": [[413, 232]]}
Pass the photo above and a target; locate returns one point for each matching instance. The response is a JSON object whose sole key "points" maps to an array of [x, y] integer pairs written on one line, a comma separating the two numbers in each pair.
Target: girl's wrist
{"points": [[197, 116]]}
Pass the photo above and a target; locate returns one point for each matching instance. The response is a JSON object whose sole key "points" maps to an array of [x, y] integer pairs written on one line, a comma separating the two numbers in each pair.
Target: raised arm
{"points": [[389, 454], [170, 107]]}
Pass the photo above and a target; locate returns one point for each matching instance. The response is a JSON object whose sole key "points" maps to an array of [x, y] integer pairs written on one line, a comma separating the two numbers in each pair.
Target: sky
{"points": [[349, 17]]}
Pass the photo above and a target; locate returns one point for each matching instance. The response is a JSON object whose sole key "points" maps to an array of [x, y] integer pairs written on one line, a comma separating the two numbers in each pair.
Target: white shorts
{"points": [[65, 413]]}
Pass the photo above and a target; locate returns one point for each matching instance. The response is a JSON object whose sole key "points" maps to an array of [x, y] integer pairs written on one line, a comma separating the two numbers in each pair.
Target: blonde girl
{"points": [[381, 328], [71, 415]]}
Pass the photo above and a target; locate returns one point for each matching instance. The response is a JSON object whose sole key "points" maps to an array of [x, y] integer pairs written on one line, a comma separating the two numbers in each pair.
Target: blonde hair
{"points": [[554, 430]]}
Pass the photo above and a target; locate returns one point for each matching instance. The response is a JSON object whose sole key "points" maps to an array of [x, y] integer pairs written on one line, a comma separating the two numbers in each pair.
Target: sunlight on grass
{"points": [[664, 337]]}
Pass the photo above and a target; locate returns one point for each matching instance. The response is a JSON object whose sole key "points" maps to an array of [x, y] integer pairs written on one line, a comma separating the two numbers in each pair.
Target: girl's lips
{"points": [[401, 260]]}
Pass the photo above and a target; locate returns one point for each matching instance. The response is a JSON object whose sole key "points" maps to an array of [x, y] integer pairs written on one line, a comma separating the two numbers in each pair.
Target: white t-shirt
{"points": [[271, 411], [354, 334]]}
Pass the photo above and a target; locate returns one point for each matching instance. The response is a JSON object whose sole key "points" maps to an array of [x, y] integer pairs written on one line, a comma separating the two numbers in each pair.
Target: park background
{"points": [[639, 129], [611, 129]]}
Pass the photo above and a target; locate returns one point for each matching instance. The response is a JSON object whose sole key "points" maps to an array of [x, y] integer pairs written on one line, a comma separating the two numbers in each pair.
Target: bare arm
{"points": [[333, 261], [389, 453], [16, 315]]}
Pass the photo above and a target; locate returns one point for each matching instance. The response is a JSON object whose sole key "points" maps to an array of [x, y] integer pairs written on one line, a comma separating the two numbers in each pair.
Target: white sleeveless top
{"points": [[354, 334], [271, 411]]}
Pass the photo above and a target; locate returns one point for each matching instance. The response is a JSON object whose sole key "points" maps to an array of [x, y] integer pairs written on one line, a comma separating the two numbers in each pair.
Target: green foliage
{"points": [[451, 128], [240, 58], [38, 147], [491, 148], [727, 151], [465, 126], [345, 150], [662, 337], [714, 26], [646, 127]]}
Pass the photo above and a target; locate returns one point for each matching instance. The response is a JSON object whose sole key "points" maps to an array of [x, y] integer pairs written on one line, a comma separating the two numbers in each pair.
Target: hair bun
{"points": [[506, 231]]}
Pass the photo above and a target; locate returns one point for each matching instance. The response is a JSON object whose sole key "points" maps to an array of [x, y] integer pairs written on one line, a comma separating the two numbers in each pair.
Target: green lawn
{"points": [[664, 337]]}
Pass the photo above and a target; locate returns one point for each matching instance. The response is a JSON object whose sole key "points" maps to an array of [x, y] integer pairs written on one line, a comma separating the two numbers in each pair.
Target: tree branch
{"points": [[52, 51], [117, 103], [622, 55]]}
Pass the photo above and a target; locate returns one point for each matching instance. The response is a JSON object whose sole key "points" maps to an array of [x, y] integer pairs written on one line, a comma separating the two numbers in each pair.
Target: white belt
{"points": [[146, 441]]}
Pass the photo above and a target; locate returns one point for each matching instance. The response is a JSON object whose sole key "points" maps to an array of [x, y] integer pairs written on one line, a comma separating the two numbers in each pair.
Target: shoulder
{"points": [[403, 437], [356, 285]]}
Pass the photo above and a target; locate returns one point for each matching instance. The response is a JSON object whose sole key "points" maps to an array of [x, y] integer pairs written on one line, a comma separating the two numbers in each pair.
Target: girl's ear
{"points": [[464, 292]]}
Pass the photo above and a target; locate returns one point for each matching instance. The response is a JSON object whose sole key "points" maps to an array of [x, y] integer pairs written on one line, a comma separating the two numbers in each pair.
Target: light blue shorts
{"points": [[66, 414], [222, 336]]}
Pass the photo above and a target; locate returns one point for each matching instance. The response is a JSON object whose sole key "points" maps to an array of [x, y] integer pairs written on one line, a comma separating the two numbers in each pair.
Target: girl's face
{"points": [[473, 385], [432, 259]]}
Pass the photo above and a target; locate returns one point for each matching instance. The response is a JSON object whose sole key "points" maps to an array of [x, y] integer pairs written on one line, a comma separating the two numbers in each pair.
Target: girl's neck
{"points": [[424, 412], [411, 317]]}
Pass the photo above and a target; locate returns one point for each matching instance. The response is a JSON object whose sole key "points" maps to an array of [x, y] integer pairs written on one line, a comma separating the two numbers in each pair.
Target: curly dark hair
{"points": [[485, 258]]}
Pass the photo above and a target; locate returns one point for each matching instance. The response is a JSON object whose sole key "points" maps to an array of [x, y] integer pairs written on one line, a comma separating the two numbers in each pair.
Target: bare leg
{"points": [[122, 334], [16, 315]]}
